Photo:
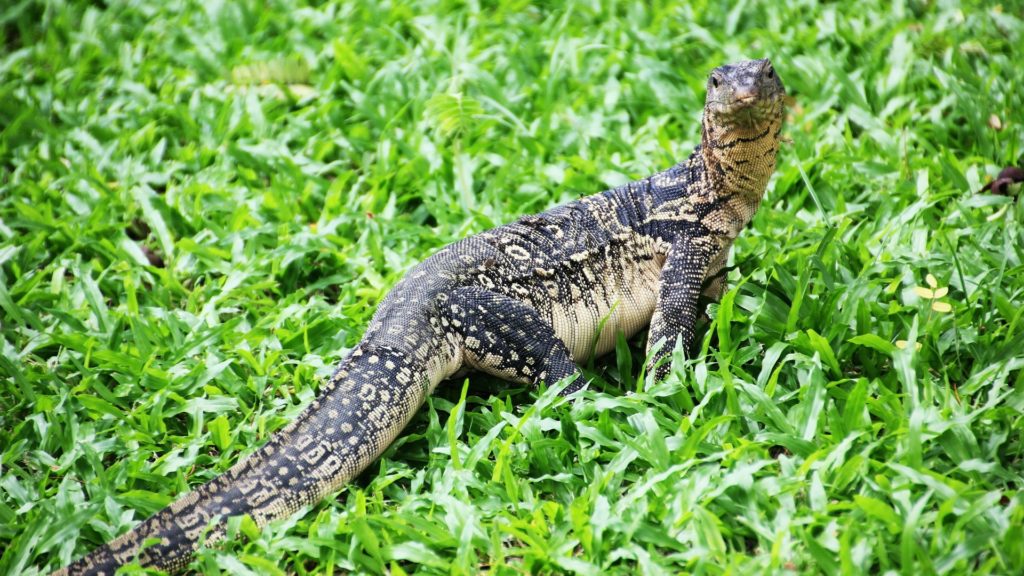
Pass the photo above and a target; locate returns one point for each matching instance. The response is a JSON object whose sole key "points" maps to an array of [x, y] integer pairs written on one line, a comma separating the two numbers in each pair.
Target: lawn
{"points": [[202, 203]]}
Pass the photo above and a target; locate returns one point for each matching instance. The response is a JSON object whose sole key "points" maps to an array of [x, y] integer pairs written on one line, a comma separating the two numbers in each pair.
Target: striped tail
{"points": [[367, 402]]}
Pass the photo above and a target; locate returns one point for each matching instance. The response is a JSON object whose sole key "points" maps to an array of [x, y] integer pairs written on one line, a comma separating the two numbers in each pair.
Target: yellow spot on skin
{"points": [[517, 252], [346, 427], [374, 359], [577, 294], [283, 470], [353, 440]]}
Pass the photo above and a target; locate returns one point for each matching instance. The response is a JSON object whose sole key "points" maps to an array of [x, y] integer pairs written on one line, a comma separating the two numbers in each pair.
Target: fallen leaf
{"points": [[923, 292], [154, 259], [902, 344], [1007, 176]]}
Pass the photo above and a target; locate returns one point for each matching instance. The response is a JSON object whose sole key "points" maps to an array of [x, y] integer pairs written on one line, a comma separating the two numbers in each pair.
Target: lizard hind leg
{"points": [[507, 338]]}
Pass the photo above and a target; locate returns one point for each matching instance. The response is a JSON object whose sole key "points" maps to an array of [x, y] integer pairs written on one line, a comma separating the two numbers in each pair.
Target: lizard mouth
{"points": [[749, 111]]}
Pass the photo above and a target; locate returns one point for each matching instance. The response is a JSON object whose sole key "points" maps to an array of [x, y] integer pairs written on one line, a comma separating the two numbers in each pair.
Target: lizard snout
{"points": [[745, 96]]}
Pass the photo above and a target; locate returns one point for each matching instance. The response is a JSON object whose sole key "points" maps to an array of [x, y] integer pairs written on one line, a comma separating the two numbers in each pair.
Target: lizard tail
{"points": [[364, 406]]}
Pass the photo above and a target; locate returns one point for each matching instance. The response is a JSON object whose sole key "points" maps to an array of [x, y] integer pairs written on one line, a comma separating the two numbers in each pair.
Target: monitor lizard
{"points": [[526, 302]]}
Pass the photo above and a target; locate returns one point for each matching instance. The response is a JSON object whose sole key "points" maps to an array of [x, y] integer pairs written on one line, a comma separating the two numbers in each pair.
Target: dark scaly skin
{"points": [[523, 301]]}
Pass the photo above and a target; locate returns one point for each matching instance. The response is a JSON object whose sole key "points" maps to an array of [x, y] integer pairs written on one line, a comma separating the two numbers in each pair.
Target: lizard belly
{"points": [[588, 325]]}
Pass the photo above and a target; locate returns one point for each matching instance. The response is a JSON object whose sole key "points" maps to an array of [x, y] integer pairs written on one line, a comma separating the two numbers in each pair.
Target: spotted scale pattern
{"points": [[525, 301]]}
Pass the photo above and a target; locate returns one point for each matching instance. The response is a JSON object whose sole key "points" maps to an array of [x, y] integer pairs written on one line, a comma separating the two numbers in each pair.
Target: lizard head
{"points": [[746, 95]]}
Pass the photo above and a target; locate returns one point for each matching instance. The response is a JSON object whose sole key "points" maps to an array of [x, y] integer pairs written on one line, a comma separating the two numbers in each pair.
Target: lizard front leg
{"points": [[675, 313], [506, 338], [714, 284]]}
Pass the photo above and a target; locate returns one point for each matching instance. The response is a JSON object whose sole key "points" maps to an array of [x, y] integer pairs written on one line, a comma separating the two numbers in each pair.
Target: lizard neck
{"points": [[738, 160]]}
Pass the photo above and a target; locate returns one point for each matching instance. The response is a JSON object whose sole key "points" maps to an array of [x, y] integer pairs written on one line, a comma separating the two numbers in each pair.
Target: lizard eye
{"points": [[714, 81], [771, 73]]}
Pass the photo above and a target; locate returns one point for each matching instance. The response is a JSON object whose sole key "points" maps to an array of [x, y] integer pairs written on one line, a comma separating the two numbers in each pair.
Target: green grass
{"points": [[200, 206]]}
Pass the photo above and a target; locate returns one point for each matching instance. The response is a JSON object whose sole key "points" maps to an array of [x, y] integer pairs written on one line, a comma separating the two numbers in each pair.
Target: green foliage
{"points": [[202, 202]]}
